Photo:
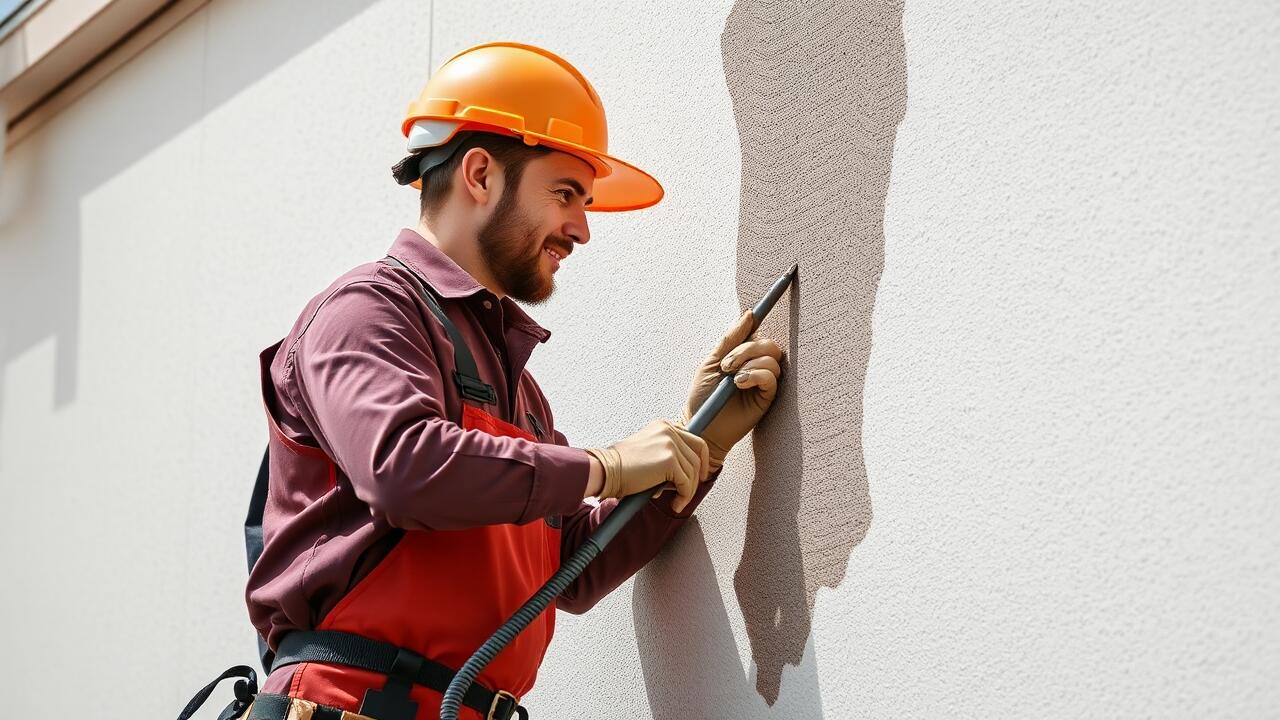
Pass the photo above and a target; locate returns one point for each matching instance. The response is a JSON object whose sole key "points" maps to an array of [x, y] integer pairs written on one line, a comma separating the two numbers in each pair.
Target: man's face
{"points": [[545, 214]]}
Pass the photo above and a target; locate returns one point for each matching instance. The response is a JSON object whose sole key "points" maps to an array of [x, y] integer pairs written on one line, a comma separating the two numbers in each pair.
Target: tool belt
{"points": [[403, 668]]}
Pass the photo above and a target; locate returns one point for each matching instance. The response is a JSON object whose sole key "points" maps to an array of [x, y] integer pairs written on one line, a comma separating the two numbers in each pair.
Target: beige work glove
{"points": [[757, 367], [659, 453]]}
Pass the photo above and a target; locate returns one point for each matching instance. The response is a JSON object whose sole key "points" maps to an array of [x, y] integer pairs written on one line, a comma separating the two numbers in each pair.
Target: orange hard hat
{"points": [[537, 96]]}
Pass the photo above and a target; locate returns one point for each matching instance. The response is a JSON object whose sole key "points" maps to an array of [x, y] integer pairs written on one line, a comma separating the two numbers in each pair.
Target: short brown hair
{"points": [[511, 154]]}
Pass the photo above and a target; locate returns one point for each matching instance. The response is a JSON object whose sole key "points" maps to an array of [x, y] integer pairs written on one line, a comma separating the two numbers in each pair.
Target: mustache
{"points": [[559, 242]]}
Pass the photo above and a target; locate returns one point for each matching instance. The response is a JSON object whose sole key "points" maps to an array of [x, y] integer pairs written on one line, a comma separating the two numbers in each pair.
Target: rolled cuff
{"points": [[560, 476]]}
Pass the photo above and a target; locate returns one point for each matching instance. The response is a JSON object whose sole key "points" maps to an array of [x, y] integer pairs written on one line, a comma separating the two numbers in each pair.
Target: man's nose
{"points": [[576, 228]]}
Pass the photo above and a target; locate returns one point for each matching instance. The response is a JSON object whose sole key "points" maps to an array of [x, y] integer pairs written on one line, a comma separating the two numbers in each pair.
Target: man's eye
{"points": [[565, 195]]}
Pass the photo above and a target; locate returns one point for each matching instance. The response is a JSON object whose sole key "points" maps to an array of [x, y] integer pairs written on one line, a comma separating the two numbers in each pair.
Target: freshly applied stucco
{"points": [[1035, 331], [818, 90]]}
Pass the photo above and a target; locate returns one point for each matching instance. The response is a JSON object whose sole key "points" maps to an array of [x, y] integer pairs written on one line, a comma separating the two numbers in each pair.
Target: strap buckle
{"points": [[508, 711], [475, 389]]}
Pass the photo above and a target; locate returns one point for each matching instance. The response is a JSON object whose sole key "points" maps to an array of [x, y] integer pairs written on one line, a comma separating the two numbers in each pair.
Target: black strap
{"points": [[253, 519], [467, 375], [253, 535], [338, 648], [245, 690]]}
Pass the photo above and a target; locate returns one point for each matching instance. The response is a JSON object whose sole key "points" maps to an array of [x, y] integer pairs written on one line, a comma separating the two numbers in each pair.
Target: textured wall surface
{"points": [[818, 91], [1035, 329]]}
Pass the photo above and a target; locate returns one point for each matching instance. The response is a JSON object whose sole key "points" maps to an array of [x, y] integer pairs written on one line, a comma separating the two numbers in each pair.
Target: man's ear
{"points": [[481, 177]]}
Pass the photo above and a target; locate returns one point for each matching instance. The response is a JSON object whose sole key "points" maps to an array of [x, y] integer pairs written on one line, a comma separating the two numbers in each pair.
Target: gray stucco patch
{"points": [[818, 91]]}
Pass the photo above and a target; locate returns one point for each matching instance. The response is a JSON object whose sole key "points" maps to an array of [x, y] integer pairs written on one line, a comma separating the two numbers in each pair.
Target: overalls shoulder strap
{"points": [[467, 375]]}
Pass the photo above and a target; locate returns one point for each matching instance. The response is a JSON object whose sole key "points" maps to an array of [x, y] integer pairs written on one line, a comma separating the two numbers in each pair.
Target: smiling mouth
{"points": [[557, 249], [555, 260]]}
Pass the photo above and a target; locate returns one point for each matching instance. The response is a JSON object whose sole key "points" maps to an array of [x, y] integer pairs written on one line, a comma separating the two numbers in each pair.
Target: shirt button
{"points": [[488, 305]]}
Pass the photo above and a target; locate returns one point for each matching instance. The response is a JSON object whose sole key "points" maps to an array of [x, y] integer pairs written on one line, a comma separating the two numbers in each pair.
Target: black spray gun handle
{"points": [[626, 509]]}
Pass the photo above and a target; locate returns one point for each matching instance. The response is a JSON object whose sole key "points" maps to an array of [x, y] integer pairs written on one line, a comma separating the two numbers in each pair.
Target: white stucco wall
{"points": [[1070, 413]]}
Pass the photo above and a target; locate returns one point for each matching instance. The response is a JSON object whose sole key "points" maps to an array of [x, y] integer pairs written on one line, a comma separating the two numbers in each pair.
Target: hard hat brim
{"points": [[625, 187], [619, 185]]}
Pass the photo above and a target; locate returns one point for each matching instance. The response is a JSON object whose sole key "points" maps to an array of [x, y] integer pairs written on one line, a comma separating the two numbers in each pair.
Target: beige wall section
{"points": [[1067, 416]]}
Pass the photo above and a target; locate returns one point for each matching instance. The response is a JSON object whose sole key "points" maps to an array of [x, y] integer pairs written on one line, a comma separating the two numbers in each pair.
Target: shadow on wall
{"points": [[689, 657], [40, 275], [818, 90]]}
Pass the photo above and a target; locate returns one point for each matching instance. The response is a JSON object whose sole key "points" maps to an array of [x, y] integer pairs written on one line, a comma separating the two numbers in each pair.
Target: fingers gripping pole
{"points": [[626, 509]]}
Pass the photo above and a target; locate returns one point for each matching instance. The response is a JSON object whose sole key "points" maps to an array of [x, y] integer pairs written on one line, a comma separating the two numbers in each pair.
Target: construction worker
{"points": [[419, 490]]}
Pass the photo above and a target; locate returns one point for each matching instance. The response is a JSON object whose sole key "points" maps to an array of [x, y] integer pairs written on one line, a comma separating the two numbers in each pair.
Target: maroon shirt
{"points": [[365, 375]]}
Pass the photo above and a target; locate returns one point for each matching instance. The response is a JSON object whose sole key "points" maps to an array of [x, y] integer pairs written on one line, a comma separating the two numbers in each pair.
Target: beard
{"points": [[512, 247]]}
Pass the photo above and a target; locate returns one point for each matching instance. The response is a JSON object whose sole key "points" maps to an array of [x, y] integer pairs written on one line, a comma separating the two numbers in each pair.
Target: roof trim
{"points": [[61, 48]]}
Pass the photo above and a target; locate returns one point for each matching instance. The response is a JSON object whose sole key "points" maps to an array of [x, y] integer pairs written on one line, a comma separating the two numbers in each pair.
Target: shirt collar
{"points": [[450, 281]]}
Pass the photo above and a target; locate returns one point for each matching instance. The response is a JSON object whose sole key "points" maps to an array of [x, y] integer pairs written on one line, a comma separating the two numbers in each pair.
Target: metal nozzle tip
{"points": [[794, 269]]}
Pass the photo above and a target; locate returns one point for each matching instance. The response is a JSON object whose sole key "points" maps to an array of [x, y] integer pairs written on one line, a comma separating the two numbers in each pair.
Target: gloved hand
{"points": [[758, 370], [659, 453]]}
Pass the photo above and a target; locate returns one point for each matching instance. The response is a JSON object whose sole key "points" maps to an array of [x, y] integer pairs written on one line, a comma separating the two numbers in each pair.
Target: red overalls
{"points": [[439, 593]]}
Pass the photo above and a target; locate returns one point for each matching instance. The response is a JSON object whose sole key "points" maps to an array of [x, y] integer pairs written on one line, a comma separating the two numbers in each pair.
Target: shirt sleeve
{"points": [[368, 377], [630, 550]]}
